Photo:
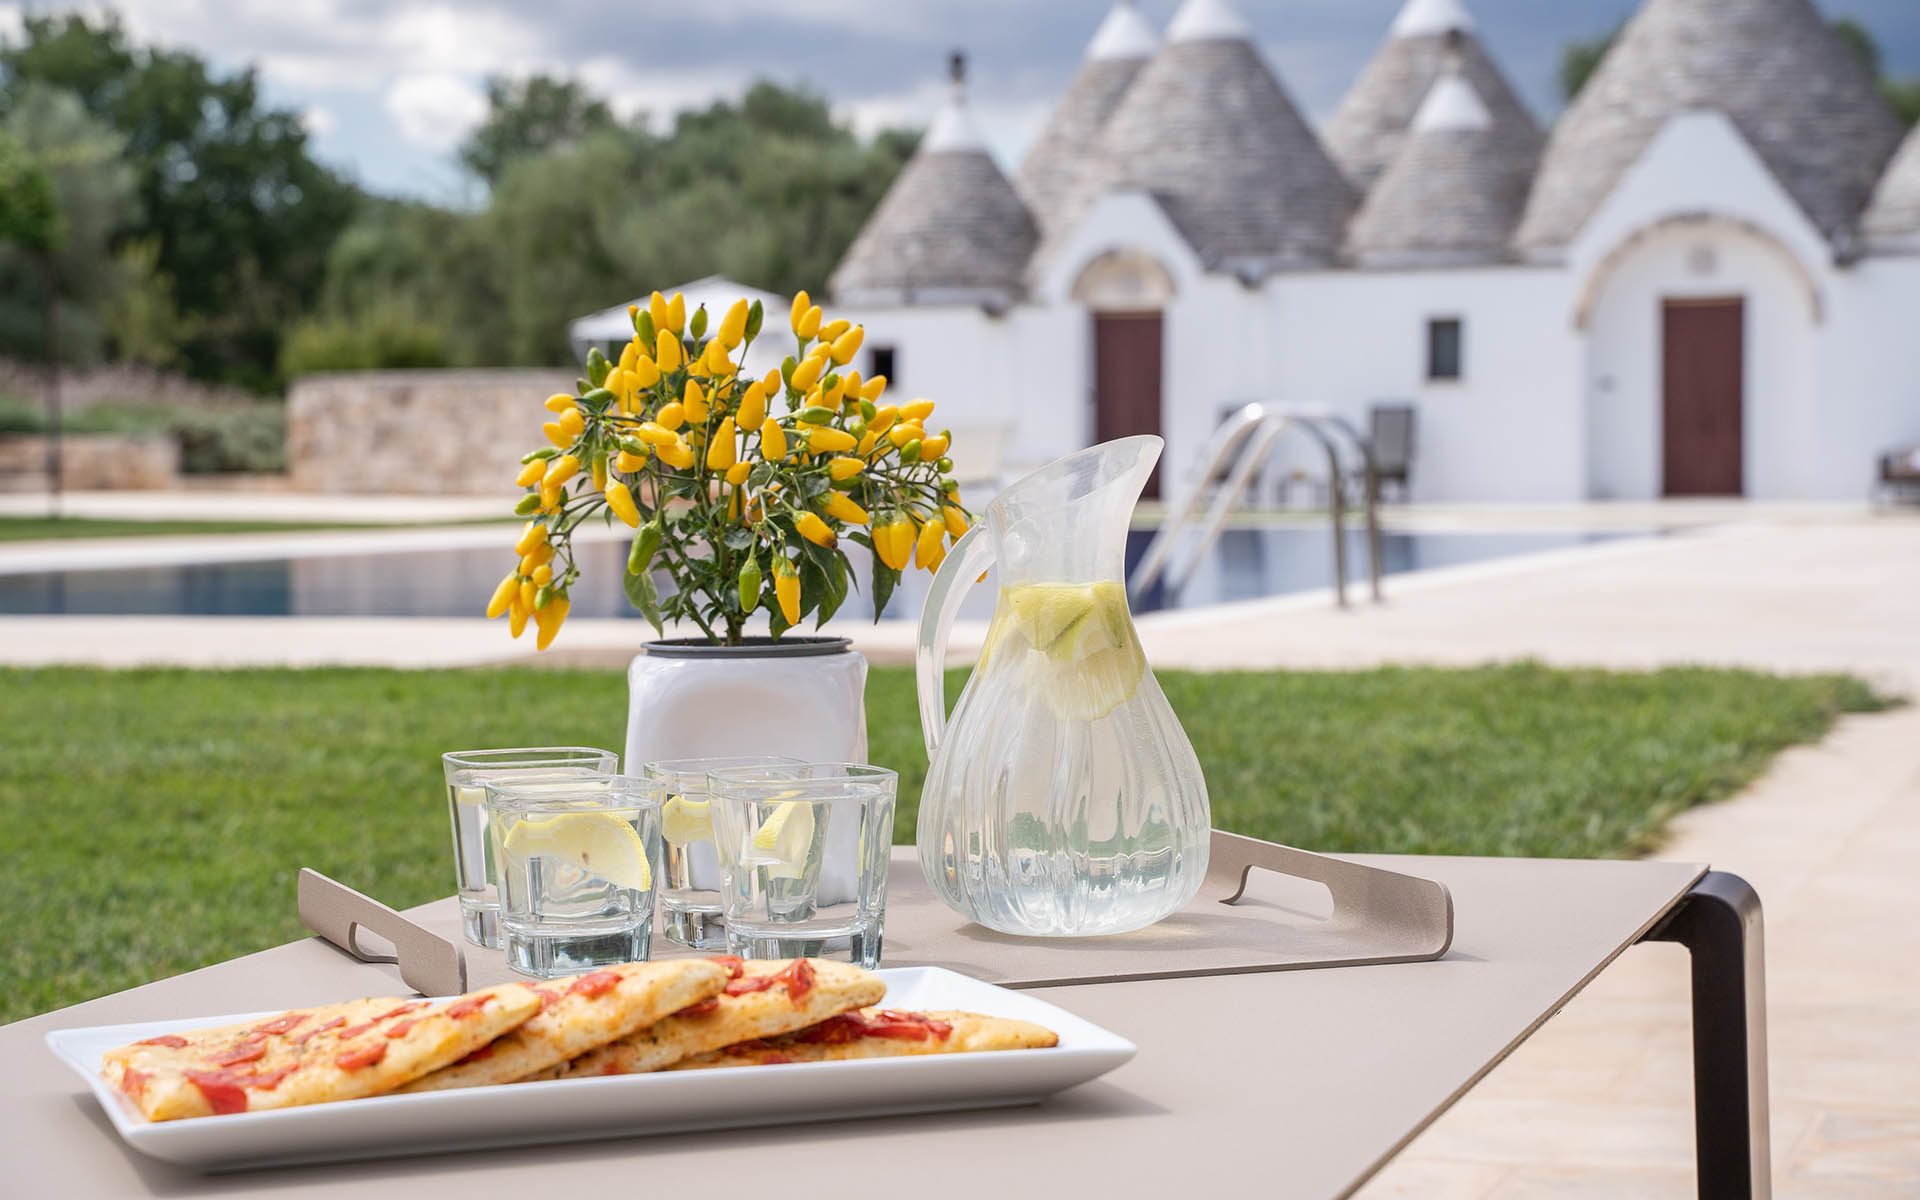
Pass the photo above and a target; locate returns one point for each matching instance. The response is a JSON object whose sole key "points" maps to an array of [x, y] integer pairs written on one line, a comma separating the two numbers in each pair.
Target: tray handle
{"points": [[429, 963], [1385, 904]]}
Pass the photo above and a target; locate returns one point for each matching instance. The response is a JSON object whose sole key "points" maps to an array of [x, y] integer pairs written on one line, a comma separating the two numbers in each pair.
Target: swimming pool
{"points": [[1246, 564]]}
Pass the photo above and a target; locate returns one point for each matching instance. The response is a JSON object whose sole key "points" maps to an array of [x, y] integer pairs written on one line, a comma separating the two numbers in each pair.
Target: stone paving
{"points": [[1598, 1103]]}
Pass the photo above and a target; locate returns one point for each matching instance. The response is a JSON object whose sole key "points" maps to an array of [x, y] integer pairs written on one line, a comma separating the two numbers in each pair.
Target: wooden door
{"points": [[1126, 378], [1703, 389]]}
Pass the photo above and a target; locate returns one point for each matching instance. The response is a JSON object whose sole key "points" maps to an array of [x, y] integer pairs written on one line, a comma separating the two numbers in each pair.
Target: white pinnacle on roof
{"points": [[1422, 17], [1124, 35], [953, 127], [1208, 20], [1452, 104]]}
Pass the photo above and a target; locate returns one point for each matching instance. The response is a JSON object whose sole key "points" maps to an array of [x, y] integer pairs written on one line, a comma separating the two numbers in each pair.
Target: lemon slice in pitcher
{"points": [[596, 843], [1093, 658], [782, 842], [684, 821]]}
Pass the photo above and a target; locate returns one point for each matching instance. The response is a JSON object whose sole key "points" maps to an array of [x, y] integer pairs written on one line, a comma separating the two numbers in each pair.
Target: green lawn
{"points": [[25, 529], [151, 821]]}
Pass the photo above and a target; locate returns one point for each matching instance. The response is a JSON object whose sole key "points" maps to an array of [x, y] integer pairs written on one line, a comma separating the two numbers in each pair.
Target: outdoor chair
{"points": [[1900, 476], [1390, 427]]}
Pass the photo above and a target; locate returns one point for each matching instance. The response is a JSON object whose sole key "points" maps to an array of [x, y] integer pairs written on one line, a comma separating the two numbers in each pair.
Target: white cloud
{"points": [[13, 22], [318, 120], [435, 111]]}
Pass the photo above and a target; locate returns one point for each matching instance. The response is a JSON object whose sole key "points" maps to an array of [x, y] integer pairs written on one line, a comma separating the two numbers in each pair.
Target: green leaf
{"points": [[738, 537], [885, 578], [645, 597]]}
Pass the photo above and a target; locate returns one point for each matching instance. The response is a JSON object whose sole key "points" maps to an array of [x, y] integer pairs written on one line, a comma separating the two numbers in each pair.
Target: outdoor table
{"points": [[1298, 1083]]}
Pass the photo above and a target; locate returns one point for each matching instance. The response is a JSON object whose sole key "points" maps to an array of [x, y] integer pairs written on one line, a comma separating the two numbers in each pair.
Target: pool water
{"points": [[1246, 564]]}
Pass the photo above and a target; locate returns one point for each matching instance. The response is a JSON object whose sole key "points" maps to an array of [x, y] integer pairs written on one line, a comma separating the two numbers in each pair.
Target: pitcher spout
{"points": [[1068, 521]]}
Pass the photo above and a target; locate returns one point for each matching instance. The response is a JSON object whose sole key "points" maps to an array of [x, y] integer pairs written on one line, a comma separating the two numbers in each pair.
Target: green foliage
{"points": [[212, 441], [1579, 59], [376, 339], [239, 215], [29, 213], [173, 843], [528, 117]]}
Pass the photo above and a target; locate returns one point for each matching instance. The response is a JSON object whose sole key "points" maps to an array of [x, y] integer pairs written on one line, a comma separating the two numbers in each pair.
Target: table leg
{"points": [[1719, 923]]}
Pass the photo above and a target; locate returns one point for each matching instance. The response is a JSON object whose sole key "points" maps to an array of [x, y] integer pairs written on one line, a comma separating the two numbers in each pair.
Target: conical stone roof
{"points": [[951, 229], [1367, 130], [1894, 214], [1056, 177], [1454, 193], [1799, 95], [1207, 129]]}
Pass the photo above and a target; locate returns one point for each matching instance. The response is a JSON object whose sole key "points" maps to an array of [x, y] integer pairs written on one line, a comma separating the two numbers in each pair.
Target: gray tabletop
{"points": [[1305, 1081]]}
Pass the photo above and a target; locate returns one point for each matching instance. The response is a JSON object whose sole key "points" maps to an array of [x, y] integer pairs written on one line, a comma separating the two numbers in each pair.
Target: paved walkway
{"points": [[1598, 1104]]}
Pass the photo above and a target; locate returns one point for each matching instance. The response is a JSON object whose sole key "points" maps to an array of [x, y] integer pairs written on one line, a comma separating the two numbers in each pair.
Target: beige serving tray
{"points": [[1263, 907]]}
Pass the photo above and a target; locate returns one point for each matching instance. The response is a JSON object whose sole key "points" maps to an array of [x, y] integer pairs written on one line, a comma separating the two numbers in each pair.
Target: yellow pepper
{"points": [[929, 548], [628, 462], [667, 352], [528, 589], [559, 402], [620, 500], [867, 442], [693, 402], [773, 381], [573, 422], [809, 324], [721, 451], [629, 354], [786, 586], [808, 373], [846, 345], [503, 596], [801, 303], [933, 447], [811, 527], [616, 382], [517, 616], [883, 418], [909, 431], [535, 558], [542, 575], [845, 468], [873, 388], [831, 331], [557, 434], [532, 473], [655, 434], [773, 440], [716, 360], [644, 371], [956, 519], [677, 313], [919, 410], [753, 405], [535, 534], [738, 472], [548, 621], [672, 415], [677, 454], [840, 506], [733, 326], [657, 310], [599, 468], [893, 541], [825, 439], [561, 469]]}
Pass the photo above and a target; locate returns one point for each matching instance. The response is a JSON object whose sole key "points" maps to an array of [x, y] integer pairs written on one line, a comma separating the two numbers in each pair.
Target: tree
{"points": [[528, 117], [236, 215], [1579, 60]]}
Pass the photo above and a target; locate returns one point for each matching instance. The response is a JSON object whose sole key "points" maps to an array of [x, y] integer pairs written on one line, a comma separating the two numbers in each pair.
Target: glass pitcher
{"points": [[1063, 799]]}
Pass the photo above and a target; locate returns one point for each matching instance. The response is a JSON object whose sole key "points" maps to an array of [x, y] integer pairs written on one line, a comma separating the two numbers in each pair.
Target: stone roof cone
{"points": [[1894, 214], [1455, 190], [1055, 177], [1207, 129], [1368, 128], [1798, 94], [950, 230]]}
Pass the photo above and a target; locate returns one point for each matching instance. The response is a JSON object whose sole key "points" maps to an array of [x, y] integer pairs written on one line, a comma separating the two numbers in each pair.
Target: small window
{"points": [[884, 364], [1443, 348]]}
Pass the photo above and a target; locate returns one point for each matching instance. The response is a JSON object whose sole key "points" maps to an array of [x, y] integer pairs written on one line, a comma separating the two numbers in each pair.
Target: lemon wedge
{"points": [[596, 843], [684, 821], [469, 797], [1093, 661], [782, 842]]}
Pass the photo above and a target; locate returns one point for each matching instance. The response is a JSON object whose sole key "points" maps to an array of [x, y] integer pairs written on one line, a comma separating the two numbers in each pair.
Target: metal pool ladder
{"points": [[1232, 460]]}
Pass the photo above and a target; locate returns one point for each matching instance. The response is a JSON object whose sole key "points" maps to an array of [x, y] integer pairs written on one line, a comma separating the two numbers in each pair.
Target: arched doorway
{"points": [[1126, 293], [1699, 334]]}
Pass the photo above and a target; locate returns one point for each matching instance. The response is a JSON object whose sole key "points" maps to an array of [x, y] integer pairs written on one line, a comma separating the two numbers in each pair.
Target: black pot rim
{"points": [[752, 647]]}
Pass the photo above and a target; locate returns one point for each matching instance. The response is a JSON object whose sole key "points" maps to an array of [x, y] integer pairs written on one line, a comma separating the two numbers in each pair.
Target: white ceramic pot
{"points": [[800, 697]]}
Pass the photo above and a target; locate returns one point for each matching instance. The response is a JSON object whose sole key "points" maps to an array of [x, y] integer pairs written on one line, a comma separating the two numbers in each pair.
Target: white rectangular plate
{"points": [[621, 1105]]}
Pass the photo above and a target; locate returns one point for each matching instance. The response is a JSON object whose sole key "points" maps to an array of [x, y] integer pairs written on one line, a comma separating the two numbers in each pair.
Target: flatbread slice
{"points": [[363, 1049], [880, 1033], [761, 999], [579, 1016]]}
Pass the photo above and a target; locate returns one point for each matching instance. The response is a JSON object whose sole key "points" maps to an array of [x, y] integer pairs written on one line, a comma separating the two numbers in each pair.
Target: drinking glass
{"points": [[578, 859], [467, 774], [803, 858], [690, 911]]}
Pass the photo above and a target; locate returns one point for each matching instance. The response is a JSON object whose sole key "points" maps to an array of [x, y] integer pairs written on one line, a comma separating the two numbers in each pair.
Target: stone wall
{"points": [[92, 462], [119, 384], [416, 432]]}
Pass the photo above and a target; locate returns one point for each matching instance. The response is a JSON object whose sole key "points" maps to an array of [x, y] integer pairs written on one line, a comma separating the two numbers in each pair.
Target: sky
{"points": [[388, 88]]}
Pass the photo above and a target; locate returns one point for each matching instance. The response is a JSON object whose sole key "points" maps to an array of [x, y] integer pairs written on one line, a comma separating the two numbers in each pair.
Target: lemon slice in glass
{"points": [[596, 843], [782, 842], [1092, 657], [684, 821]]}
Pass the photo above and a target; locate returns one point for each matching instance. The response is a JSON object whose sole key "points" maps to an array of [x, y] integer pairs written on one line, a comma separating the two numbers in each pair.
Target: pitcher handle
{"points": [[971, 555]]}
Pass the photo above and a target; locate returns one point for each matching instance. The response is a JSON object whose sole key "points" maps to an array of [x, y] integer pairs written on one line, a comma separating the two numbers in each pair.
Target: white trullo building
{"points": [[1705, 279]]}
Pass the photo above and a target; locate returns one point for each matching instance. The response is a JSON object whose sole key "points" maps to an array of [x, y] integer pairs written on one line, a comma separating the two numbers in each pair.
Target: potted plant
{"points": [[741, 492]]}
